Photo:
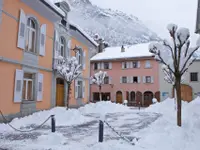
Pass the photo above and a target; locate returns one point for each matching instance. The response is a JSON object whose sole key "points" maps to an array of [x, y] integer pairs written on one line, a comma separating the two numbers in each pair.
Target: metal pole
{"points": [[100, 131], [53, 123]]}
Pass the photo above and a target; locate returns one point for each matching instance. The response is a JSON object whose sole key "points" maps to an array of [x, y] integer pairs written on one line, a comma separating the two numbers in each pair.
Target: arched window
{"points": [[62, 46], [79, 57], [31, 35]]}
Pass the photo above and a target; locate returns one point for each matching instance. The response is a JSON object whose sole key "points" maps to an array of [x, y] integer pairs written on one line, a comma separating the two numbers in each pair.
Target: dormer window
{"points": [[122, 48]]}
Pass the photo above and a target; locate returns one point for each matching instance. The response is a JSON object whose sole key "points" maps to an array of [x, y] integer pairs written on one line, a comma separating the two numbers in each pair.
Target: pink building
{"points": [[132, 75]]}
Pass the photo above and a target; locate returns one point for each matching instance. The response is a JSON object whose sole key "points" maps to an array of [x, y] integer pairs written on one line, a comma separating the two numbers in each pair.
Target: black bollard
{"points": [[100, 131], [139, 105], [53, 123]]}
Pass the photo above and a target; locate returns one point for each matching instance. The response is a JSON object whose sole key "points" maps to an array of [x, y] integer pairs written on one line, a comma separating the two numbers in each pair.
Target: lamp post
{"points": [[76, 49]]}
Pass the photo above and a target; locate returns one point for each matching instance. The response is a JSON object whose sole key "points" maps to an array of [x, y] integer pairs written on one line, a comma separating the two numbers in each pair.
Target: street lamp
{"points": [[76, 49]]}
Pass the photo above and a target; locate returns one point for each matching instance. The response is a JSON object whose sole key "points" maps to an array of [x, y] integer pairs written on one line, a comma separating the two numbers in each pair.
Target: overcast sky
{"points": [[156, 14]]}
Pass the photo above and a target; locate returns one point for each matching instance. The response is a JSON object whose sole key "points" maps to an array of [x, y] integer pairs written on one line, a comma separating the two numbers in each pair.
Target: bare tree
{"points": [[98, 79], [176, 57], [69, 70]]}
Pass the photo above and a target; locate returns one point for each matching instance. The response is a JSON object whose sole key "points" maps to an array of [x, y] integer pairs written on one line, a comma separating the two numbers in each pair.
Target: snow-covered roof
{"points": [[83, 32], [134, 51], [52, 4]]}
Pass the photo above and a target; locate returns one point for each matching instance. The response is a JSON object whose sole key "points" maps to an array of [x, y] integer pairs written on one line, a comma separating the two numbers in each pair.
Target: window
{"points": [[106, 80], [135, 64], [62, 46], [106, 65], [193, 76], [147, 64], [148, 79], [79, 57], [125, 65], [135, 79], [132, 96], [80, 89], [124, 79], [31, 34], [95, 66], [27, 93]]}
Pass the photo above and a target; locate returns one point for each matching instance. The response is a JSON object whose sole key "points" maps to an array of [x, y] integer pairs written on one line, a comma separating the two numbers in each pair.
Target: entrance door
{"points": [[60, 92], [119, 97]]}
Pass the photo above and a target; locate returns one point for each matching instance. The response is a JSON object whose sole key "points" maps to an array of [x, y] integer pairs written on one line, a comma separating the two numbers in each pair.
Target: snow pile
{"points": [[63, 118], [104, 107], [165, 134]]}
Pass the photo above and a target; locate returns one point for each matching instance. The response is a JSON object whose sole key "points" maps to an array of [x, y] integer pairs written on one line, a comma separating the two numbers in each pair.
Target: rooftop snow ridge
{"points": [[134, 51]]}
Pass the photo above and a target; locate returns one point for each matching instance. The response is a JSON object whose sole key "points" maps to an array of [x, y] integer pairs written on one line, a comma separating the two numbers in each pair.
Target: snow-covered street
{"points": [[80, 136]]}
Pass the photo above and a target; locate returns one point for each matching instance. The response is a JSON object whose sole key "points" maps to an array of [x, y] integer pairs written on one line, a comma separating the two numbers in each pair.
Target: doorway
{"points": [[60, 92]]}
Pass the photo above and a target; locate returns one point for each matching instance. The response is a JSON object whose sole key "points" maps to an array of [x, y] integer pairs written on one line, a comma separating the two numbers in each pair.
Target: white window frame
{"points": [[123, 80], [146, 79], [26, 89], [29, 31], [62, 45], [79, 57], [79, 86], [147, 64]]}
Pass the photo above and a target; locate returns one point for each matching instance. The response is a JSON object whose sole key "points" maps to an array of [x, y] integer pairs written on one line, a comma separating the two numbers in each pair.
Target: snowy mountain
{"points": [[115, 27]]}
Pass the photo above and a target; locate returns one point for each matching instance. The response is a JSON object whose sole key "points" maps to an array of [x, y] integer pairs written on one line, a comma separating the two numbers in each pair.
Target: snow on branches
{"points": [[68, 68], [176, 55], [98, 78]]}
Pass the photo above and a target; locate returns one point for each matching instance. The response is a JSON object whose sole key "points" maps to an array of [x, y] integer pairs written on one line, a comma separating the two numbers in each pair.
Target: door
{"points": [[60, 92], [119, 97], [157, 96], [186, 93]]}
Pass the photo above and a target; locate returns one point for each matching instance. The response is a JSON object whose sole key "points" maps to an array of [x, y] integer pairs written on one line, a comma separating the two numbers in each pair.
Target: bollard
{"points": [[100, 131], [53, 123], [139, 105]]}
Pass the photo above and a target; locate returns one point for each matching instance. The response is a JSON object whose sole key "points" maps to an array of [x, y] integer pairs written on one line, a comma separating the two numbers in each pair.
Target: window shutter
{"points": [[110, 65], [102, 65], [128, 64], [84, 60], [99, 65], [56, 46], [76, 89], [120, 79], [144, 79], [122, 65], [138, 79], [128, 79], [131, 64], [152, 79], [138, 63], [110, 80], [22, 30], [19, 75], [40, 87], [42, 39], [131, 79], [83, 89]]}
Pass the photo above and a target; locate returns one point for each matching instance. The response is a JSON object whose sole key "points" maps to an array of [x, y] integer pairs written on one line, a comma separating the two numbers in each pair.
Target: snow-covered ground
{"points": [[155, 127]]}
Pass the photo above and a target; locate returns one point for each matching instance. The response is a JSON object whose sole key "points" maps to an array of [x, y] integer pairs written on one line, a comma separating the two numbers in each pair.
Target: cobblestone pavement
{"points": [[125, 123]]}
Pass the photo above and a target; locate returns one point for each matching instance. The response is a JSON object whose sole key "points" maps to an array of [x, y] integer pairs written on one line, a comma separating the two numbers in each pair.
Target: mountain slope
{"points": [[115, 27]]}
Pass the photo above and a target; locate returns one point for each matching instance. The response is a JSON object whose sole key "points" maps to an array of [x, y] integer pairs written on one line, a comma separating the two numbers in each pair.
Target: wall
{"points": [[167, 88], [12, 58], [116, 72]]}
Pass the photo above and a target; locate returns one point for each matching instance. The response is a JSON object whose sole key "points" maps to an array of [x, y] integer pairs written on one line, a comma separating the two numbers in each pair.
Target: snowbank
{"points": [[165, 134], [104, 107], [63, 118]]}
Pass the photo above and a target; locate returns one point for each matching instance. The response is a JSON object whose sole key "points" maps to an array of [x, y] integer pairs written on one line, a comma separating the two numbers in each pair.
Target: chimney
{"points": [[122, 48]]}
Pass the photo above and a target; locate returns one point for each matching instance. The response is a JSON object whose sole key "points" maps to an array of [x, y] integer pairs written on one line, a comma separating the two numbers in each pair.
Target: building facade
{"points": [[190, 87], [26, 52], [131, 75], [83, 47]]}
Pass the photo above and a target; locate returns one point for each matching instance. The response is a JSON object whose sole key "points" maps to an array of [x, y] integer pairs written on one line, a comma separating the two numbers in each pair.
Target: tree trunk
{"points": [[178, 93], [100, 96], [175, 98], [68, 92]]}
